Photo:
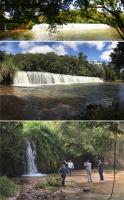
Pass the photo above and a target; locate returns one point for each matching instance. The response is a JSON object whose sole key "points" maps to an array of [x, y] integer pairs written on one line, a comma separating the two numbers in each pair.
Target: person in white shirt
{"points": [[70, 166], [88, 166]]}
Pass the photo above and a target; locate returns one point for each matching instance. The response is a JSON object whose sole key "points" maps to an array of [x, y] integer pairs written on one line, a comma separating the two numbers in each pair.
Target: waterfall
{"points": [[29, 79], [31, 160], [70, 26], [31, 157], [5, 28]]}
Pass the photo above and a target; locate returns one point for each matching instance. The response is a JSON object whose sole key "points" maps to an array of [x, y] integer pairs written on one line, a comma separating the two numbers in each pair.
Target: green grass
{"points": [[7, 188]]}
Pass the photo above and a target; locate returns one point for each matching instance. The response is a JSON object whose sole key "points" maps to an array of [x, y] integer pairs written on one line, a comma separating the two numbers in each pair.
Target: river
{"points": [[73, 32], [57, 102]]}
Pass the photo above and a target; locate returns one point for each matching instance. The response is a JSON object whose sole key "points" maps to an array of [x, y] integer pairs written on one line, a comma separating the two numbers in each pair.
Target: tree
{"points": [[49, 150], [7, 70], [111, 12], [33, 8], [12, 149], [117, 56]]}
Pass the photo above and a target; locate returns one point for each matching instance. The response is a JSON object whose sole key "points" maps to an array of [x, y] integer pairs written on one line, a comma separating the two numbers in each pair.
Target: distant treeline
{"points": [[72, 16], [50, 62]]}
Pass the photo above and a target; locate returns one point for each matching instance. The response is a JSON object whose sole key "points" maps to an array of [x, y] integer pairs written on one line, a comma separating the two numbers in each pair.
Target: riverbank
{"points": [[76, 188]]}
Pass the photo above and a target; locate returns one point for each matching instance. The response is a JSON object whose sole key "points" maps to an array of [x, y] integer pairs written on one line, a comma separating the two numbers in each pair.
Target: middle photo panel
{"points": [[61, 80]]}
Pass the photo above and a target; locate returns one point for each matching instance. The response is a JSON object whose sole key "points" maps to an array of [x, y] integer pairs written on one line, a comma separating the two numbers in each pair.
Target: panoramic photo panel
{"points": [[62, 160], [62, 80], [62, 20]]}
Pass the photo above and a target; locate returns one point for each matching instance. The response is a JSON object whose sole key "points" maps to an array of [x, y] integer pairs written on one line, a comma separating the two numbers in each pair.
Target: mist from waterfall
{"points": [[29, 79]]}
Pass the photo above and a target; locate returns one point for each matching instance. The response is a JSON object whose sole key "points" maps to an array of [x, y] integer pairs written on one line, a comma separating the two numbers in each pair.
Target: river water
{"points": [[54, 102], [62, 35]]}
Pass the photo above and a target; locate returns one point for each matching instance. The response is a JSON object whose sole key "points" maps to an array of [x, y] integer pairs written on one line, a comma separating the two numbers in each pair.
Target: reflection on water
{"points": [[73, 35], [57, 101], [100, 190]]}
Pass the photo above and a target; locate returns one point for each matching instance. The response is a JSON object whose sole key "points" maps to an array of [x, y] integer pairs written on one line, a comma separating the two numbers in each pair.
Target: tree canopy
{"points": [[111, 12], [117, 58], [103, 11], [56, 142]]}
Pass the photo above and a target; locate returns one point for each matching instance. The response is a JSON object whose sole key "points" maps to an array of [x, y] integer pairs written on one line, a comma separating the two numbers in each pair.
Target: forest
{"points": [[26, 14], [59, 141], [73, 65]]}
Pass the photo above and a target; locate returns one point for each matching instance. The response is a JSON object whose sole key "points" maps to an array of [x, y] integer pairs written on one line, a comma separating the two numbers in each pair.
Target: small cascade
{"points": [[29, 79], [31, 160], [40, 27], [70, 26]]}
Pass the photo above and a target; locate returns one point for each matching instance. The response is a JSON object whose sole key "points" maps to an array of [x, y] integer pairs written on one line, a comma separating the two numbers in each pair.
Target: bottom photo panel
{"points": [[61, 160]]}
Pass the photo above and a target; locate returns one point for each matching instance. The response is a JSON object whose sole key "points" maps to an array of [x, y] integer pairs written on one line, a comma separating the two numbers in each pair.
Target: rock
{"points": [[40, 194]]}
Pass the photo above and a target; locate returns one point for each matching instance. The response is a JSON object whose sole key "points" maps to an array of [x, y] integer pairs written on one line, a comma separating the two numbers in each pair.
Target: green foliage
{"points": [[59, 12], [117, 59], [41, 185], [13, 149], [7, 71], [52, 181], [111, 12], [7, 187], [49, 150], [56, 142], [49, 62], [72, 65]]}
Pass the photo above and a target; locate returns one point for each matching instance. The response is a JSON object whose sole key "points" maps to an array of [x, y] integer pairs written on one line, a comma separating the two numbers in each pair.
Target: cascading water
{"points": [[41, 32], [29, 79], [69, 26], [5, 28], [31, 157]]}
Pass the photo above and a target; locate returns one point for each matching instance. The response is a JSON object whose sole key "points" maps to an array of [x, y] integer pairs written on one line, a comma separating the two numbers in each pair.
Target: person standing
{"points": [[100, 170], [70, 166], [63, 172], [88, 166]]}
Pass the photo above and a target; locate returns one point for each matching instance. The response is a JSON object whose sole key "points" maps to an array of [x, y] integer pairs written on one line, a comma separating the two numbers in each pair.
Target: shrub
{"points": [[54, 180], [41, 185], [7, 187]]}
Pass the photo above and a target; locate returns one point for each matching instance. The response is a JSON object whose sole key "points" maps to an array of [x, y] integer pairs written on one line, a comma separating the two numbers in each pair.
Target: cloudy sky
{"points": [[94, 50]]}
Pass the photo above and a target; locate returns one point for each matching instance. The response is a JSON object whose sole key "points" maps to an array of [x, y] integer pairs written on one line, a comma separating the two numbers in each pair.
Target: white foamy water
{"points": [[40, 31], [70, 26], [29, 79], [31, 158]]}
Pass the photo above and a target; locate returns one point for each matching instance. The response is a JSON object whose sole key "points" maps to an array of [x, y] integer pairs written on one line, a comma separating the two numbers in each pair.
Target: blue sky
{"points": [[94, 50]]}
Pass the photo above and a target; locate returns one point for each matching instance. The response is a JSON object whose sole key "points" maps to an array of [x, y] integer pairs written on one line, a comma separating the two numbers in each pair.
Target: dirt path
{"points": [[76, 183]]}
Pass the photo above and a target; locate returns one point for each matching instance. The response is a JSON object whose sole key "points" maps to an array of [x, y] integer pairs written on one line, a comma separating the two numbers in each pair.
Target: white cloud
{"points": [[73, 45], [25, 44], [112, 45], [57, 49], [98, 44], [106, 55]]}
